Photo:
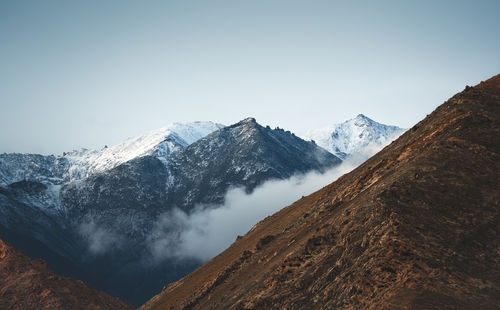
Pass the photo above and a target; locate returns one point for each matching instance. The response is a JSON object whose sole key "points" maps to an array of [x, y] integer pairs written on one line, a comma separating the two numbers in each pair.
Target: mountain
{"points": [[414, 227], [79, 164], [129, 199], [358, 135], [29, 284], [242, 155], [98, 224], [158, 143]]}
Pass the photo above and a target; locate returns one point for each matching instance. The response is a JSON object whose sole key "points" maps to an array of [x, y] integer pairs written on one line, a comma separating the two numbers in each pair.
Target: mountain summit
{"points": [[414, 227], [358, 135], [244, 154]]}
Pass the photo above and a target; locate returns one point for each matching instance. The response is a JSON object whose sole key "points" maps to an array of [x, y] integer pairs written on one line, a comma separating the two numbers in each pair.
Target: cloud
{"points": [[207, 231], [100, 239]]}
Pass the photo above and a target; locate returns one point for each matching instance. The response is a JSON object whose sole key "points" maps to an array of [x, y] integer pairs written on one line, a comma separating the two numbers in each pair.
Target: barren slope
{"points": [[417, 226], [28, 284]]}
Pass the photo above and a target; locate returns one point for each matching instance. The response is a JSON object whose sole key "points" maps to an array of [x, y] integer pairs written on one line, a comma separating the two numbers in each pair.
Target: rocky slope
{"points": [[29, 284], [414, 227]]}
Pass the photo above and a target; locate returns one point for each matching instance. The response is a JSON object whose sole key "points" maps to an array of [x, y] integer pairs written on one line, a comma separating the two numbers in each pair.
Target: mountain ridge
{"points": [[413, 227], [110, 216], [82, 163]]}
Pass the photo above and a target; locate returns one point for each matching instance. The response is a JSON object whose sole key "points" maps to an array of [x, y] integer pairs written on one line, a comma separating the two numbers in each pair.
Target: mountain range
{"points": [[91, 214], [414, 227]]}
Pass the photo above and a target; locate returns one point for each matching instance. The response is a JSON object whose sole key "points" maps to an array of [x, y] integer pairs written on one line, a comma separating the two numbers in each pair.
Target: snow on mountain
{"points": [[117, 192], [244, 154], [17, 167], [159, 143], [357, 135], [82, 163]]}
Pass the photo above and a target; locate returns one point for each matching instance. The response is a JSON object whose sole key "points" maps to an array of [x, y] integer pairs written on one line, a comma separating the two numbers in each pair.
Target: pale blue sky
{"points": [[88, 73]]}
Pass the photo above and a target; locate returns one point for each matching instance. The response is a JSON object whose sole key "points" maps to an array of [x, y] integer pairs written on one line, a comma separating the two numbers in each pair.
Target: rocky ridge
{"points": [[99, 226], [414, 227]]}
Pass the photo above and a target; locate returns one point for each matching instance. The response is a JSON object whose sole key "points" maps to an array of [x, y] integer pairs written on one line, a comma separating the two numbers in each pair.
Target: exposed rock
{"points": [[417, 226], [102, 222]]}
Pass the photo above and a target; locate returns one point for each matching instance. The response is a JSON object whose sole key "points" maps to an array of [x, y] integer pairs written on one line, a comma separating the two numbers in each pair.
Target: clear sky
{"points": [[89, 73]]}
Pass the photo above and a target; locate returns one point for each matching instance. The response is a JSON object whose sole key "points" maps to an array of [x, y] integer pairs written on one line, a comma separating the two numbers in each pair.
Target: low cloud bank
{"points": [[208, 231]]}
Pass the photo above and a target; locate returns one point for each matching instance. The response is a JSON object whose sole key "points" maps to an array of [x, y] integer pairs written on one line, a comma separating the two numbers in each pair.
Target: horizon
{"points": [[83, 75], [298, 134]]}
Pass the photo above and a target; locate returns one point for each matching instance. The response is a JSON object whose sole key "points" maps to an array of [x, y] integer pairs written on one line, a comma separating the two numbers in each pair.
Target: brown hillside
{"points": [[417, 226], [28, 284]]}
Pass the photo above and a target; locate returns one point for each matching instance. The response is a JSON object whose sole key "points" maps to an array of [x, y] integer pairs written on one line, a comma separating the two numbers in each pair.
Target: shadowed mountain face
{"points": [[29, 284], [414, 227], [242, 155]]}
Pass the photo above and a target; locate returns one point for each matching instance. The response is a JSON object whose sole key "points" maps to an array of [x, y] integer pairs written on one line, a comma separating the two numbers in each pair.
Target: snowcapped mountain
{"points": [[244, 154], [159, 143], [82, 163], [357, 135], [128, 199], [109, 200]]}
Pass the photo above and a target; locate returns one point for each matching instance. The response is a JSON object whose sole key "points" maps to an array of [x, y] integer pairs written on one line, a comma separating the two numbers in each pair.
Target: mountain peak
{"points": [[248, 120], [413, 227], [353, 136], [362, 117], [361, 120]]}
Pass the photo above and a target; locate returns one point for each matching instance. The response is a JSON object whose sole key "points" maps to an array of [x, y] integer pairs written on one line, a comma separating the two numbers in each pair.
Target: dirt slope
{"points": [[417, 226], [28, 284]]}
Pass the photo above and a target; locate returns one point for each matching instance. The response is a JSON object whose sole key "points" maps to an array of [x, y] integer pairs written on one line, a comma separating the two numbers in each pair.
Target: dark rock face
{"points": [[118, 207], [244, 154], [133, 186], [31, 187], [414, 227]]}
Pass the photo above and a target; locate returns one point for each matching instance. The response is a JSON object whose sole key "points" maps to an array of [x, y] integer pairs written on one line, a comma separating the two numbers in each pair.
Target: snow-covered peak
{"points": [[82, 163], [361, 120], [160, 142], [353, 136], [192, 132]]}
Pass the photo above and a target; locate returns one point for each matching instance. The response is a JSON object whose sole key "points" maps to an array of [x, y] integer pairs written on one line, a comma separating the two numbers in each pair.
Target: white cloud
{"points": [[207, 231]]}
